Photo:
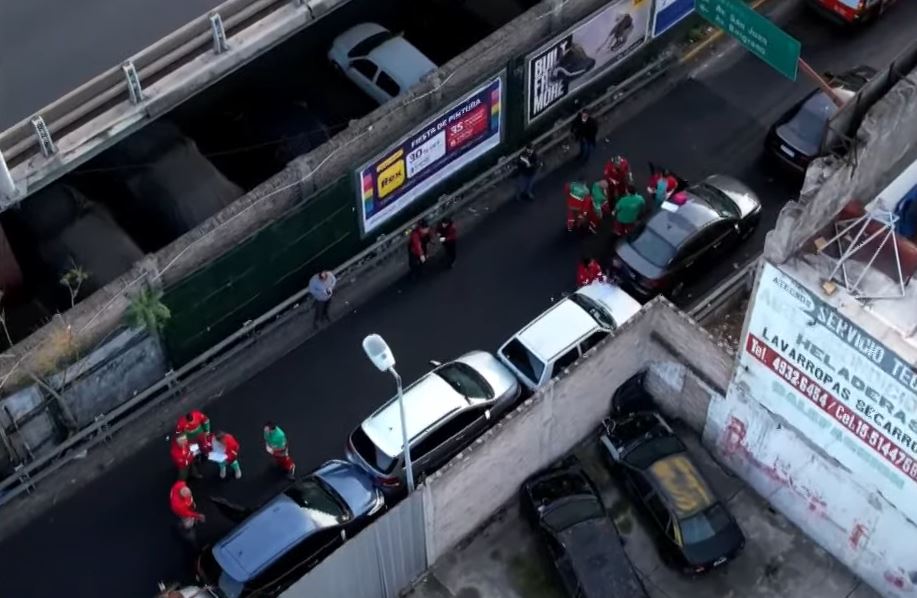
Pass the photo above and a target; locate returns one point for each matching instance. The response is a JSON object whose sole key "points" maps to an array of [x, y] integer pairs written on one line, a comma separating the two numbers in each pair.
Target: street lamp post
{"points": [[378, 352]]}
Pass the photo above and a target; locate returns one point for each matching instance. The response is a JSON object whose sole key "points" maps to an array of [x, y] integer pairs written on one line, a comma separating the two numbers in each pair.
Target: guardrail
{"points": [[27, 476], [724, 296], [34, 137]]}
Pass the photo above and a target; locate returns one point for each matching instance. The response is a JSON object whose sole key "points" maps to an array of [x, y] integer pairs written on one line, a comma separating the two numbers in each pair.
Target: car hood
{"points": [[726, 543], [619, 304], [497, 375], [598, 559], [636, 262], [741, 194], [352, 484], [347, 40]]}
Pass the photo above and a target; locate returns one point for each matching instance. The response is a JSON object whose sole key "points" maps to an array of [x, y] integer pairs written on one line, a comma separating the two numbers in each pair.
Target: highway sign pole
{"points": [[754, 31], [820, 81]]}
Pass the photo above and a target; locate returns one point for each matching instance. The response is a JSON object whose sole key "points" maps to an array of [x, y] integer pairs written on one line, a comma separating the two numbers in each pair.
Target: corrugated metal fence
{"points": [[377, 563]]}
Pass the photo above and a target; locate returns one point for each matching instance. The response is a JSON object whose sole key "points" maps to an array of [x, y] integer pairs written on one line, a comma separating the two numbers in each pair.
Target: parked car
{"points": [[557, 338], [280, 542], [695, 531], [566, 509], [677, 241], [796, 138], [851, 12], [445, 410], [382, 64]]}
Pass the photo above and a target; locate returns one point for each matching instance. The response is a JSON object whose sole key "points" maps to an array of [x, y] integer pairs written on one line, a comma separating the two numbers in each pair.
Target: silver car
{"points": [[444, 410], [382, 64]]}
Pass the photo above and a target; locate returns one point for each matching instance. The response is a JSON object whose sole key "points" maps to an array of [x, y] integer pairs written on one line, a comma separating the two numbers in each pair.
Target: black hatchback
{"points": [[695, 531], [798, 136], [677, 241], [564, 506]]}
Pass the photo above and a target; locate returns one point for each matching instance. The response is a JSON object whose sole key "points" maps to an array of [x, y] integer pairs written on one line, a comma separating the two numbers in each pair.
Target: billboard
{"points": [[669, 13], [397, 177], [847, 392], [582, 53]]}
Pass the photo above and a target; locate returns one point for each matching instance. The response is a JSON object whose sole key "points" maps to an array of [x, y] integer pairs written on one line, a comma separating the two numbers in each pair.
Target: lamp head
{"points": [[378, 352]]}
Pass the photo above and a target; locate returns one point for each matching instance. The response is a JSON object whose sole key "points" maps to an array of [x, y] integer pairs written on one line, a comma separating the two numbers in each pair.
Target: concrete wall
{"points": [[860, 528], [464, 494]]}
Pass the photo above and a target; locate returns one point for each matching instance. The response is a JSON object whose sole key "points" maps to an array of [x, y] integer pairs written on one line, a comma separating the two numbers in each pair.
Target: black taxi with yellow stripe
{"points": [[695, 531]]}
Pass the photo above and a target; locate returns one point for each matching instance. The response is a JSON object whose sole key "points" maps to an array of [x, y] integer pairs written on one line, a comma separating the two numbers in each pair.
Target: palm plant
{"points": [[147, 311]]}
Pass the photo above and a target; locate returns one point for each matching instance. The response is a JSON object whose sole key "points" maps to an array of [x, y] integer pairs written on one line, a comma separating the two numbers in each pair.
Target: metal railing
{"points": [[387, 247], [34, 136]]}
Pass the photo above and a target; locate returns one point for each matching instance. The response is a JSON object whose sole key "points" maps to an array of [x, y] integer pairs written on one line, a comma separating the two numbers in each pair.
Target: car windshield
{"points": [[465, 380], [598, 313], [523, 360], [369, 44], [811, 120], [718, 201], [572, 510], [323, 504], [644, 455], [704, 525], [652, 247]]}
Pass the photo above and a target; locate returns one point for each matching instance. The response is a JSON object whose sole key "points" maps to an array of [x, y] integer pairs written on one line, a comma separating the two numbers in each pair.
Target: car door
{"points": [[561, 363], [387, 86], [436, 448], [363, 71], [298, 561], [592, 340]]}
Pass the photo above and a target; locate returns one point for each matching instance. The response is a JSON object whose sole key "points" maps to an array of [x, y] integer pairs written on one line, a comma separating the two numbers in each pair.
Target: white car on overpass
{"points": [[382, 64], [553, 341]]}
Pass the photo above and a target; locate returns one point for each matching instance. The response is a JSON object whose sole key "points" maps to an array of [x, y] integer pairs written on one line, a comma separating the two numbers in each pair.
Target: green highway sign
{"points": [[754, 31]]}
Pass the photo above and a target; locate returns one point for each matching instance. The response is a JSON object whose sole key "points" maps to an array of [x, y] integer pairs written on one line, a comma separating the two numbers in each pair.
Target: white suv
{"points": [[559, 336]]}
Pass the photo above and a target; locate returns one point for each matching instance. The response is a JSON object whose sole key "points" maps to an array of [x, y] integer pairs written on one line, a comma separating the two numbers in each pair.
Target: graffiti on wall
{"points": [[840, 387]]}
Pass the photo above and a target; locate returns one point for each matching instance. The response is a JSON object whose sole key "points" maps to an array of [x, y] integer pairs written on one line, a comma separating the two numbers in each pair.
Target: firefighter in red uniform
{"points": [[588, 271], [418, 241], [579, 206], [618, 175], [231, 448], [180, 452], [182, 502], [195, 426]]}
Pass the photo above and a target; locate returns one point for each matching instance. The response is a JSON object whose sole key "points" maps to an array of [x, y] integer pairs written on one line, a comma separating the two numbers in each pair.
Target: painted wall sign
{"points": [[588, 49], [846, 391], [397, 177], [669, 13]]}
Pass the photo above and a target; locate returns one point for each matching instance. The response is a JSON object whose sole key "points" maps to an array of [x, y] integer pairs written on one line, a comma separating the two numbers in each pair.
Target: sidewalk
{"points": [[505, 560]]}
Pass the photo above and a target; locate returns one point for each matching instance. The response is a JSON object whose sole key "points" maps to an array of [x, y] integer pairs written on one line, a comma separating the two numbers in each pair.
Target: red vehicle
{"points": [[851, 11]]}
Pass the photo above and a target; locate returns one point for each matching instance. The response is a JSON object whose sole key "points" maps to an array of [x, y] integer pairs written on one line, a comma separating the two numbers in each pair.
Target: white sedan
{"points": [[382, 64]]}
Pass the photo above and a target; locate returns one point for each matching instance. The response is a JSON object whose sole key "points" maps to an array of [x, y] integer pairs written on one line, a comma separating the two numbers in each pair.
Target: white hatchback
{"points": [[559, 336]]}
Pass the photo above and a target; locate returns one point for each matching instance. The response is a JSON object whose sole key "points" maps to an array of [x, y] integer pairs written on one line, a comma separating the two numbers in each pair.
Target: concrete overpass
{"points": [[54, 140]]}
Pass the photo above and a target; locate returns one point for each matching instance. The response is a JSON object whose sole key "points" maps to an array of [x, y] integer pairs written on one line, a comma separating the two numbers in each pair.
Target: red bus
{"points": [[851, 11]]}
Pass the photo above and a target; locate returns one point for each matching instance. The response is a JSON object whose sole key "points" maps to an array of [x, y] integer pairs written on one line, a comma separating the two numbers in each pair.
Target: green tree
{"points": [[147, 311]]}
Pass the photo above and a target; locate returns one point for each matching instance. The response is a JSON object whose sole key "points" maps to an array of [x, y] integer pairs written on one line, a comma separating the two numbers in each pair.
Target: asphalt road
{"points": [[50, 47], [114, 537]]}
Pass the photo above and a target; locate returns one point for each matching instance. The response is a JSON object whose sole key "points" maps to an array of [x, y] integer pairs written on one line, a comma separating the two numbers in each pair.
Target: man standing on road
{"points": [[526, 169], [182, 502], [231, 449], [321, 287], [628, 211], [418, 241], [585, 130], [195, 426], [275, 442], [180, 451], [448, 237]]}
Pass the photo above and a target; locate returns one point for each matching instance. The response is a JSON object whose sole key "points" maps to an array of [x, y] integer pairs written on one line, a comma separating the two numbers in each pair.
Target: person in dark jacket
{"points": [[418, 241], [448, 236], [526, 169], [585, 130]]}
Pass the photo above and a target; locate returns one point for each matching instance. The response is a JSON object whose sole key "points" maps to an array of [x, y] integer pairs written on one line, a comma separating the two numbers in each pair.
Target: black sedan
{"points": [[695, 531], [563, 504], [798, 136], [679, 240]]}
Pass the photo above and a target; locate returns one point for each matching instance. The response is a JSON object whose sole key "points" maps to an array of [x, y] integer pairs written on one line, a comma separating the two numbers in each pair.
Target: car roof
{"points": [[263, 538], [679, 224], [681, 485], [615, 299], [599, 561], [426, 402], [358, 33], [556, 329], [402, 61]]}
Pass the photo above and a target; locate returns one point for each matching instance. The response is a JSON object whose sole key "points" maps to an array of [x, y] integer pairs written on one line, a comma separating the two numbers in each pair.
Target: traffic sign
{"points": [[754, 31]]}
